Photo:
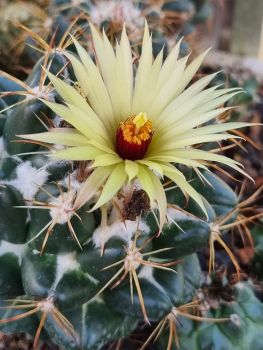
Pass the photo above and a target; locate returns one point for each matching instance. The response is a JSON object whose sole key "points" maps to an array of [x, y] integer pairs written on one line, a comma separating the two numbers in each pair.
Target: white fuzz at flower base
{"points": [[137, 127]]}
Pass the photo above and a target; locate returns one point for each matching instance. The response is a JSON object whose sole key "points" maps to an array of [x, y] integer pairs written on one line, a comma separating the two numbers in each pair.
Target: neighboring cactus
{"points": [[179, 19], [28, 31], [168, 20], [84, 278], [242, 331], [14, 41]]}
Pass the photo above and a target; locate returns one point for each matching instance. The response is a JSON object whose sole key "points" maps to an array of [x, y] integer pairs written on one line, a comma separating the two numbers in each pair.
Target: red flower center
{"points": [[133, 137]]}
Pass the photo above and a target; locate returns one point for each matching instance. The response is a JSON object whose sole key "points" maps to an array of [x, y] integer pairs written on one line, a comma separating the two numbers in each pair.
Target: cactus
{"points": [[90, 252], [13, 40]]}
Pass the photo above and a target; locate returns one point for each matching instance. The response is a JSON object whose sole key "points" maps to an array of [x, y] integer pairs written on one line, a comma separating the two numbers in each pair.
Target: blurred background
{"points": [[233, 28], [235, 32]]}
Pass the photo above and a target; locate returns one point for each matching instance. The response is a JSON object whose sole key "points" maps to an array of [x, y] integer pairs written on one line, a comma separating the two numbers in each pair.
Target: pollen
{"points": [[137, 129], [134, 136]]}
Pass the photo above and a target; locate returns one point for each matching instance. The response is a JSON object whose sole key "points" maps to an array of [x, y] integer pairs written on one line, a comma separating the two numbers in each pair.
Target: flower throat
{"points": [[134, 136]]}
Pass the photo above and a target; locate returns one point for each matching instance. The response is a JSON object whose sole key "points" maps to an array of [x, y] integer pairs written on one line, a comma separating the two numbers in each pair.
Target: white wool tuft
{"points": [[118, 229], [137, 184], [41, 93], [235, 319], [48, 23], [242, 285], [147, 273], [56, 120], [61, 207], [2, 149], [17, 249], [29, 179], [65, 263], [74, 183], [177, 215], [47, 305], [76, 2]]}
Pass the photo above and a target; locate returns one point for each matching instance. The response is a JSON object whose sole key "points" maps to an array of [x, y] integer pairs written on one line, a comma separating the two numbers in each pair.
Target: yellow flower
{"points": [[137, 126]]}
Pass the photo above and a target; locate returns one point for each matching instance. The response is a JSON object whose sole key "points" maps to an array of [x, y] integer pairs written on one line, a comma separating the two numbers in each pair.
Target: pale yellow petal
{"points": [[168, 133], [125, 73], [193, 153], [193, 140], [186, 188], [168, 91], [160, 198], [164, 126], [150, 85], [190, 154], [92, 127], [143, 71], [153, 187], [114, 182], [97, 91], [184, 110], [77, 153], [171, 168], [205, 101], [147, 184], [80, 73], [209, 156], [214, 128], [70, 94], [86, 124], [106, 159], [131, 169], [168, 65], [91, 186], [185, 97], [101, 146], [171, 158], [106, 59], [117, 72], [92, 87], [60, 136], [111, 75], [190, 71], [152, 165], [190, 123], [210, 105], [208, 129]]}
